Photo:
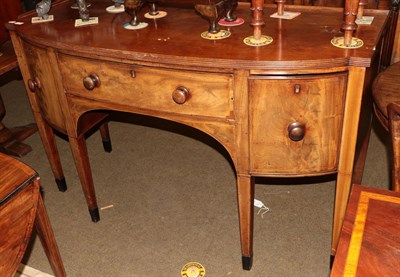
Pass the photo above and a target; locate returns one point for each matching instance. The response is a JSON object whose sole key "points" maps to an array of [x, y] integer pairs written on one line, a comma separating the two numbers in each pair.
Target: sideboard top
{"points": [[303, 42]]}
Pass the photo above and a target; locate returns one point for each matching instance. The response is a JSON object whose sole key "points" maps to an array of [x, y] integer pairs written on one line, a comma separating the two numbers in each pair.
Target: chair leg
{"points": [[105, 137], [46, 236], [394, 129]]}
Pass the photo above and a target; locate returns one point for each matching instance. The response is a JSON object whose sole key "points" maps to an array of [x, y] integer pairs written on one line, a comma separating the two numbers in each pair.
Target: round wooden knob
{"points": [[34, 84], [180, 95], [92, 81], [296, 131]]}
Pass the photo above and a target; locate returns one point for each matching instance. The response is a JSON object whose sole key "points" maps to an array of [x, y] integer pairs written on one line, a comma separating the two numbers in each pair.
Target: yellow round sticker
{"points": [[193, 269]]}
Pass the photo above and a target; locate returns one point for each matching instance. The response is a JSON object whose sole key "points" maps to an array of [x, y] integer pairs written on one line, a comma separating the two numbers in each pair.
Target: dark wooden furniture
{"points": [[21, 208], [9, 10], [288, 109], [386, 94], [11, 139], [369, 243]]}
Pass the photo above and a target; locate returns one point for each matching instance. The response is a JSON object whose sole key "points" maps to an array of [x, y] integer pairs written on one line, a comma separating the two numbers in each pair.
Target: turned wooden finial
{"points": [[257, 21], [281, 6], [361, 7], [349, 25], [257, 39]]}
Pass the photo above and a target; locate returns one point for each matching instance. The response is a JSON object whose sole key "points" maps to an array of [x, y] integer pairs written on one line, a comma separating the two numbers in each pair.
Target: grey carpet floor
{"points": [[173, 197]]}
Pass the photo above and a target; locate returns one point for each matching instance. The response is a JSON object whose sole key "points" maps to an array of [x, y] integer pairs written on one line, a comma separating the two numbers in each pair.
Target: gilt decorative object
{"points": [[213, 13], [118, 7], [132, 7], [154, 12]]}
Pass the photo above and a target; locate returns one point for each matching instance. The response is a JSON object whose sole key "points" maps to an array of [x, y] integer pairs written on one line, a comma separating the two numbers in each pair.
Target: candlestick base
{"points": [[339, 42], [220, 35], [114, 9], [160, 14], [264, 40], [141, 25], [237, 22]]}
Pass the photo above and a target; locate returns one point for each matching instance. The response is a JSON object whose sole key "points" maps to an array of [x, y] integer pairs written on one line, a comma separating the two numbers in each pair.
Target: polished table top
{"points": [[302, 42]]}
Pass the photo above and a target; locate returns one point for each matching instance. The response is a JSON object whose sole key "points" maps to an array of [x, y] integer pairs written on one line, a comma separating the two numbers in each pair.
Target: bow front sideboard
{"points": [[288, 109]]}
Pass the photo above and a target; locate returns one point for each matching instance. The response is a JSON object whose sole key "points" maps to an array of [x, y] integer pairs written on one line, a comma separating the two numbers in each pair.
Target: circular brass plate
{"points": [[251, 41]]}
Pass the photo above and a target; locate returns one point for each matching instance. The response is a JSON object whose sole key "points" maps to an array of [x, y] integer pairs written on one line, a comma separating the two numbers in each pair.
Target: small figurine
{"points": [[76, 7], [84, 15], [83, 11], [132, 7], [42, 9], [118, 7]]}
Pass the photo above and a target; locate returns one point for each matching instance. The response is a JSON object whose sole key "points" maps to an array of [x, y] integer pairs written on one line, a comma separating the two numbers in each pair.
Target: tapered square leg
{"points": [[46, 236], [245, 189]]}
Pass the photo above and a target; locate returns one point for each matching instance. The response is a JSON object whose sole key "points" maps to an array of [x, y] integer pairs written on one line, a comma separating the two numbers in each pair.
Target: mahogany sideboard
{"points": [[288, 109]]}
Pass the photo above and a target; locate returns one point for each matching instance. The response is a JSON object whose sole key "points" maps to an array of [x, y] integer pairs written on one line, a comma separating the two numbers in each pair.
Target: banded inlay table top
{"points": [[369, 243]]}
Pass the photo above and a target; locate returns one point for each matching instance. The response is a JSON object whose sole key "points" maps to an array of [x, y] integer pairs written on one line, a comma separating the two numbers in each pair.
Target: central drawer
{"points": [[173, 91]]}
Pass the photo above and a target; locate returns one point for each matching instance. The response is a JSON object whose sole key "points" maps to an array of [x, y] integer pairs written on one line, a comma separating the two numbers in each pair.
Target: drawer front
{"points": [[161, 90], [296, 123]]}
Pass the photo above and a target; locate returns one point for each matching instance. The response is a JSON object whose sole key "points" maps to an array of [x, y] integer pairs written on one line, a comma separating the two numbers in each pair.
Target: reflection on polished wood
{"points": [[288, 109]]}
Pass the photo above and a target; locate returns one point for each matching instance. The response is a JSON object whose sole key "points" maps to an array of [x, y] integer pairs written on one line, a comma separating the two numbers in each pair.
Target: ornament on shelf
{"points": [[132, 7], [84, 16], [118, 7], [154, 12], [42, 9], [213, 13]]}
